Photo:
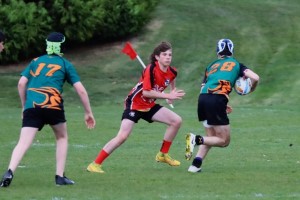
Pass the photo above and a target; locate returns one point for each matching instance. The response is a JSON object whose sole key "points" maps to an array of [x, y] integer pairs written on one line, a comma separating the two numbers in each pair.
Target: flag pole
{"points": [[140, 60]]}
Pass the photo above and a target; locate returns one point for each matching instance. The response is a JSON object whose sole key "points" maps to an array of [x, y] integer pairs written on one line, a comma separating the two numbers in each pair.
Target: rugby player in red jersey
{"points": [[140, 104]]}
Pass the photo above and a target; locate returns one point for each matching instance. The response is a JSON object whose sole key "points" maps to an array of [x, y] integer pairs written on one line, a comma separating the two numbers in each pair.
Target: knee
{"points": [[225, 143], [176, 122], [61, 136]]}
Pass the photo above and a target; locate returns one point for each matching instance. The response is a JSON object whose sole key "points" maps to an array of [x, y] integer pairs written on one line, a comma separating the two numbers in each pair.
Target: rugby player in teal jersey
{"points": [[40, 88], [218, 82]]}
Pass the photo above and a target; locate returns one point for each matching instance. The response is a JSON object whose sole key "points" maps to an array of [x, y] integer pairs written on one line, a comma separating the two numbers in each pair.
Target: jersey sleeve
{"points": [[204, 77], [26, 71], [242, 69], [71, 73]]}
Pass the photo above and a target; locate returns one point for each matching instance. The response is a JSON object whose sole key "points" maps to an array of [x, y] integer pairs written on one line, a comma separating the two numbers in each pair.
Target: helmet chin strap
{"points": [[225, 47], [223, 56]]}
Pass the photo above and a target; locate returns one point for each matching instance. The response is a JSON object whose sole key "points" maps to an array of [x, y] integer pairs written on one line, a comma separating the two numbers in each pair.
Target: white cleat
{"points": [[194, 169]]}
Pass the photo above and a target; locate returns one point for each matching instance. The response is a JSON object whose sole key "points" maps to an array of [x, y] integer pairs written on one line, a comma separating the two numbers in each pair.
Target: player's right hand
{"points": [[90, 121], [176, 94]]}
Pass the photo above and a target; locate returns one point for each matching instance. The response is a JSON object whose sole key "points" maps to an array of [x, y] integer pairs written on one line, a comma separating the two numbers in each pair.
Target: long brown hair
{"points": [[162, 47]]}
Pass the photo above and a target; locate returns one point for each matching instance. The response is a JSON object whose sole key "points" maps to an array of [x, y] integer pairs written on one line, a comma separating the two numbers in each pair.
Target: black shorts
{"points": [[38, 117], [135, 115], [212, 107]]}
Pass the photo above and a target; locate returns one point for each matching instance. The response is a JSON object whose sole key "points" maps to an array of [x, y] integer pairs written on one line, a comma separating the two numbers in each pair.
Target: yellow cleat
{"points": [[94, 167], [190, 144], [166, 158]]}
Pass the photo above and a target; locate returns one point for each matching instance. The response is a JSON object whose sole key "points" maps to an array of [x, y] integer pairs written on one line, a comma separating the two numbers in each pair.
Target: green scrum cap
{"points": [[54, 41]]}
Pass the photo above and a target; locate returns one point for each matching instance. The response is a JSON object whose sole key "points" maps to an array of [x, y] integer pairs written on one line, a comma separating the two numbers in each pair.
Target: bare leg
{"points": [[203, 149], [170, 118], [124, 132], [61, 135], [173, 121], [216, 136], [26, 137]]}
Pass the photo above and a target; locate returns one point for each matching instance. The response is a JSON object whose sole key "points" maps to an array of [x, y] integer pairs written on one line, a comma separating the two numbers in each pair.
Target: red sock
{"points": [[101, 157], [165, 146]]}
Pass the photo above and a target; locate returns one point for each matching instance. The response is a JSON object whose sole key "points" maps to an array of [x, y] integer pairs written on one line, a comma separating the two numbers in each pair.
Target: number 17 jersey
{"points": [[46, 76]]}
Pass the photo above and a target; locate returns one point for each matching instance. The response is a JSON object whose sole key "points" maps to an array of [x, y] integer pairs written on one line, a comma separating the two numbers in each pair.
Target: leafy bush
{"points": [[77, 19], [25, 26], [123, 18], [27, 22]]}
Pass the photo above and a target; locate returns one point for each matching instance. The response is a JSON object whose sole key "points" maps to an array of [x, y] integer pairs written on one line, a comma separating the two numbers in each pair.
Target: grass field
{"points": [[259, 163], [263, 159]]}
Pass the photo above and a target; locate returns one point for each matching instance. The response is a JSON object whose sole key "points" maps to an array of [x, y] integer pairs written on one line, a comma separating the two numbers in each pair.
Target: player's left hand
{"points": [[228, 109]]}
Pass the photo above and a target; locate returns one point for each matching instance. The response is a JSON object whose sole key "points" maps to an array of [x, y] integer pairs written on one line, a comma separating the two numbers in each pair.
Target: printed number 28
{"points": [[227, 66]]}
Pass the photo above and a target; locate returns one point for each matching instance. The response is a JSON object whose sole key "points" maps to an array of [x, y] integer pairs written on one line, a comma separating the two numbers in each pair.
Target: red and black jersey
{"points": [[153, 78]]}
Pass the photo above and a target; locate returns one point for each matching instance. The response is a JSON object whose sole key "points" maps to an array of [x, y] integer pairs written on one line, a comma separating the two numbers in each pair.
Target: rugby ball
{"points": [[242, 86]]}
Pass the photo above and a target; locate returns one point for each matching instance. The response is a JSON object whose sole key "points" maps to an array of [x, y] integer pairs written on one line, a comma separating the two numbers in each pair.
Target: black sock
{"points": [[10, 171], [199, 140], [197, 162]]}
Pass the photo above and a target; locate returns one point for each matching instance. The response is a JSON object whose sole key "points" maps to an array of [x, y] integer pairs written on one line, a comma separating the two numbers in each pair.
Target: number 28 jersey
{"points": [[220, 76], [46, 76]]}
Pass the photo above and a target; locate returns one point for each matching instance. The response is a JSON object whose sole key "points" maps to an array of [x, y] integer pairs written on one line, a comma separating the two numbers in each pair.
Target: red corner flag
{"points": [[129, 51]]}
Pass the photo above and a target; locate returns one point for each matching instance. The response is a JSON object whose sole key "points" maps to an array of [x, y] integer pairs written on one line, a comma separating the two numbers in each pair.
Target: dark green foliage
{"points": [[77, 19], [123, 18], [25, 26], [27, 22]]}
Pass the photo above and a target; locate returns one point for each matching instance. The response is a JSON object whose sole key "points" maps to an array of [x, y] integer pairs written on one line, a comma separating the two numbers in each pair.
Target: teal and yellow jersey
{"points": [[46, 76], [220, 76]]}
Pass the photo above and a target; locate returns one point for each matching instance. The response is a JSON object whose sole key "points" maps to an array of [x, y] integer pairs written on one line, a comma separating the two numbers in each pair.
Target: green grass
{"points": [[262, 161], [259, 163]]}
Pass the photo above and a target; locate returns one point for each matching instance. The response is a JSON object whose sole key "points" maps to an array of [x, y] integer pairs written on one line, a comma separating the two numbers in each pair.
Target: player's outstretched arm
{"points": [[173, 95], [82, 93], [22, 86]]}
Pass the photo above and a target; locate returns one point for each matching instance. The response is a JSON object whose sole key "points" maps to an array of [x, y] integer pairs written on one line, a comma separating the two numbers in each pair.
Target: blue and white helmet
{"points": [[225, 47]]}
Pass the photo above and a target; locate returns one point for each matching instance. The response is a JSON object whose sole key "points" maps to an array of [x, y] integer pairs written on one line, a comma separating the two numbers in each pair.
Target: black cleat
{"points": [[63, 180], [7, 178]]}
